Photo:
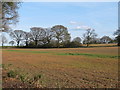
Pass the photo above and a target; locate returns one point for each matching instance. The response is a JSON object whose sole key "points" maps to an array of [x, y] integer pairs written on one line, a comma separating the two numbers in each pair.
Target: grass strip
{"points": [[84, 54], [91, 55], [27, 51]]}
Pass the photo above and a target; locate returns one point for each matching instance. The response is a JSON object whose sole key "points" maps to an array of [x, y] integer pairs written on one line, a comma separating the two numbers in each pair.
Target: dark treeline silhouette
{"points": [[57, 36]]}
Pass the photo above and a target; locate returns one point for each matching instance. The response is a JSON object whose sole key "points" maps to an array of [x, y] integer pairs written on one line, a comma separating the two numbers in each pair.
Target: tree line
{"points": [[57, 36]]}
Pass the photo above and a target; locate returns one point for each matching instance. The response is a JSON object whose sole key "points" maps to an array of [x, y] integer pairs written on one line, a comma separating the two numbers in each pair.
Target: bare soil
{"points": [[64, 71]]}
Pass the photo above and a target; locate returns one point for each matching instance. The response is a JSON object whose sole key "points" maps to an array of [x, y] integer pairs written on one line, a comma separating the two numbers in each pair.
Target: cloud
{"points": [[73, 22], [83, 27], [79, 26]]}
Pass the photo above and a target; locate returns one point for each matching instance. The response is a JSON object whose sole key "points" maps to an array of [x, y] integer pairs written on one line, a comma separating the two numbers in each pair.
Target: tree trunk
{"points": [[87, 44], [2, 44], [118, 43], [18, 43], [36, 43], [58, 45], [26, 44]]}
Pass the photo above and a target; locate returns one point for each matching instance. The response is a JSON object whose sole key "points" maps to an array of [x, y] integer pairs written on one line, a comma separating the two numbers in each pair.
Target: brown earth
{"points": [[65, 71]]}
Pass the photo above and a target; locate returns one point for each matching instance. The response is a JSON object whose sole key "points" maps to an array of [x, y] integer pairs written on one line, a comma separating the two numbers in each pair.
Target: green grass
{"points": [[1, 65], [24, 77], [12, 74], [27, 51], [5, 66], [73, 54], [90, 55]]}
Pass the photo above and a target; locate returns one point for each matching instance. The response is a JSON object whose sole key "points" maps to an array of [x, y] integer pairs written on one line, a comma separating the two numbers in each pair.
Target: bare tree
{"points": [[117, 33], [37, 34], [77, 39], [27, 37], [89, 36], [105, 39], [12, 42], [66, 38], [4, 40], [9, 14], [60, 33], [95, 41], [48, 36], [17, 35]]}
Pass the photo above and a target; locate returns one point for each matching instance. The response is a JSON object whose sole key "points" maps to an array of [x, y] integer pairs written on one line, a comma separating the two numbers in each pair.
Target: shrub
{"points": [[12, 74], [72, 44], [37, 77]]}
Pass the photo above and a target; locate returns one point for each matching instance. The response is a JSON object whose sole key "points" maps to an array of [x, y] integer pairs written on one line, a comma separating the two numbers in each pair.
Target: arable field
{"points": [[64, 67]]}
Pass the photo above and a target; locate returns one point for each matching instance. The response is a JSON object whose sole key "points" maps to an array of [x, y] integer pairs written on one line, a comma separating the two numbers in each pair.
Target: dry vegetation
{"points": [[61, 68]]}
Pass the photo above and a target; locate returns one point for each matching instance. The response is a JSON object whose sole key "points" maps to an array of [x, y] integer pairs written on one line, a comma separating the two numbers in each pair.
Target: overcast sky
{"points": [[78, 16]]}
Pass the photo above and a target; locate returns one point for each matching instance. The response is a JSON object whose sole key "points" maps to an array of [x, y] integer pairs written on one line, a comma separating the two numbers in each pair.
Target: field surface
{"points": [[66, 68]]}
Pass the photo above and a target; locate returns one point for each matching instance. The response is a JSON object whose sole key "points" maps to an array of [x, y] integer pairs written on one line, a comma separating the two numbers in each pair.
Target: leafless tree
{"points": [[37, 34], [17, 35], [12, 42], [27, 37], [60, 33], [9, 14], [89, 36], [48, 36], [77, 39], [117, 33], [105, 39], [3, 40], [95, 41], [66, 38]]}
